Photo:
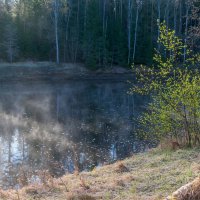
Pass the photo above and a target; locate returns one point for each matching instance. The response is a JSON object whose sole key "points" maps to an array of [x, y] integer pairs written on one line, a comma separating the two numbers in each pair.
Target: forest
{"points": [[98, 33]]}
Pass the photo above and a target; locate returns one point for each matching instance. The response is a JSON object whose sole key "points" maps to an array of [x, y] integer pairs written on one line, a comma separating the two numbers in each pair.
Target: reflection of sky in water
{"points": [[65, 127]]}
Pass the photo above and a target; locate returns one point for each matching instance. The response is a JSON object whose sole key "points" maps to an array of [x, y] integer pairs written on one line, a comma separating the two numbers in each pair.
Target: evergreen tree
{"points": [[97, 32]]}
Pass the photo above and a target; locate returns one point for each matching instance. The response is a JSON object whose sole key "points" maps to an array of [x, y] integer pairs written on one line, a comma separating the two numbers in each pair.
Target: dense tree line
{"points": [[94, 32]]}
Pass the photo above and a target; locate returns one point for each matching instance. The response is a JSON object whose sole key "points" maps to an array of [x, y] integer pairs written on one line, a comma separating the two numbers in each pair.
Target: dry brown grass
{"points": [[149, 176], [121, 168], [80, 197]]}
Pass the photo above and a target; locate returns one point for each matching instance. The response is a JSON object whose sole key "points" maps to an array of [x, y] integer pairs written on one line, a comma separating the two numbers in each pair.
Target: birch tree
{"points": [[174, 87], [188, 5], [139, 6], [56, 9]]}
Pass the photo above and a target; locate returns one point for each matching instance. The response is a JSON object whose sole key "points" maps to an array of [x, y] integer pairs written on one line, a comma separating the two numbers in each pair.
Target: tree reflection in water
{"points": [[64, 127]]}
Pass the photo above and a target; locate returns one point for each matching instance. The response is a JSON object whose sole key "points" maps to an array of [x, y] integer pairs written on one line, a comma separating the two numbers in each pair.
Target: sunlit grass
{"points": [[152, 175]]}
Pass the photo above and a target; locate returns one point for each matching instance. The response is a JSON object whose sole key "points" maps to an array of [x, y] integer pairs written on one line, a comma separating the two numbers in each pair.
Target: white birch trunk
{"points": [[139, 5], [56, 13], [135, 37]]}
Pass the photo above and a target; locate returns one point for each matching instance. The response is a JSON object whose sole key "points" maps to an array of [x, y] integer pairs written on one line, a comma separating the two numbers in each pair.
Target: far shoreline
{"points": [[50, 71]]}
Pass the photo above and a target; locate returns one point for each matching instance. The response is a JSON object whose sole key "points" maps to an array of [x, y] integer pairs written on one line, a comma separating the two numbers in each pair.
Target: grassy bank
{"points": [[151, 175]]}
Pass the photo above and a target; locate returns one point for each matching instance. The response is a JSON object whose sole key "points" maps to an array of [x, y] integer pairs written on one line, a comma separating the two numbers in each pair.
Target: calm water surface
{"points": [[65, 127]]}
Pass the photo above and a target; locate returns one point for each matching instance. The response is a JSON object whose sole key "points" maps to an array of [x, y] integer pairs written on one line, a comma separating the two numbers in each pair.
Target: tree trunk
{"points": [[121, 11], [56, 13], [159, 16], [136, 28], [175, 15], [167, 13], [67, 15], [77, 34], [180, 19], [129, 30], [186, 31], [187, 129]]}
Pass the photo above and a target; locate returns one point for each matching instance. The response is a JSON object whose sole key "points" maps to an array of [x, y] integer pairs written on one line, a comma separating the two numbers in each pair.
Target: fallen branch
{"points": [[190, 191]]}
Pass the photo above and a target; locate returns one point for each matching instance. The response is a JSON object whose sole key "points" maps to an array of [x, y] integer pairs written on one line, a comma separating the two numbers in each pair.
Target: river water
{"points": [[62, 127]]}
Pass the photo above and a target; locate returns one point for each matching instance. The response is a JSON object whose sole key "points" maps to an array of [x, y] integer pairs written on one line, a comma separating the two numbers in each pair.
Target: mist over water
{"points": [[65, 127]]}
